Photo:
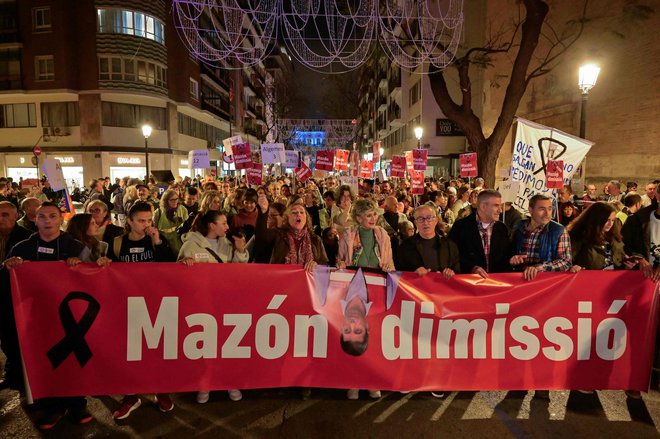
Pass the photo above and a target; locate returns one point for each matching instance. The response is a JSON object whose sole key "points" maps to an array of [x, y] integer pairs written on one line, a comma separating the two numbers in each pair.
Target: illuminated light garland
{"points": [[329, 36]]}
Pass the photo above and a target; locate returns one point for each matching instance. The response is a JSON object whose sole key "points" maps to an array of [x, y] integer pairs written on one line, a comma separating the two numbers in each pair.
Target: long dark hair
{"points": [[589, 225], [77, 227], [202, 221]]}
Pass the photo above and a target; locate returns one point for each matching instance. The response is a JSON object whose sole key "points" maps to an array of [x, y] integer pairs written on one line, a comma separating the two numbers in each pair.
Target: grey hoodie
{"points": [[195, 246]]}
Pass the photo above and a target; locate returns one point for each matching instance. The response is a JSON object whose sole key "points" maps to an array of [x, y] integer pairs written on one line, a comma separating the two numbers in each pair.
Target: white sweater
{"points": [[195, 246]]}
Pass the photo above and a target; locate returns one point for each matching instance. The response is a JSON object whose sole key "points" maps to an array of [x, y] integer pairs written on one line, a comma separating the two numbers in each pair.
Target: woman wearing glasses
{"points": [[170, 215]]}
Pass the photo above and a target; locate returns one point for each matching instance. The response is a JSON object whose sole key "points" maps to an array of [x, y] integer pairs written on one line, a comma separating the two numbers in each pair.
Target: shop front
{"points": [[127, 165], [20, 167], [72, 168], [182, 169]]}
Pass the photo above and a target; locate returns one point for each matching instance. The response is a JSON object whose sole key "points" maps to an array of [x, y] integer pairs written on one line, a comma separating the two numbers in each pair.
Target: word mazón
{"points": [[417, 332]]}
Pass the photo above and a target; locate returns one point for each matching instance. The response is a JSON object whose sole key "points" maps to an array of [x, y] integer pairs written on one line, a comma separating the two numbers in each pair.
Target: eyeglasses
{"points": [[424, 219], [173, 199], [95, 210]]}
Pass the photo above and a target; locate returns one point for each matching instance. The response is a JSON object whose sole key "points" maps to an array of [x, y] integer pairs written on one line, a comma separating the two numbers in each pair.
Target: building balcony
{"points": [[10, 82]]}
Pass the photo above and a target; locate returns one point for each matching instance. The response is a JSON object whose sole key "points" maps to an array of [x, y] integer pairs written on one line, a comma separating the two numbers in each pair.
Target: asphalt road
{"points": [[327, 414]]}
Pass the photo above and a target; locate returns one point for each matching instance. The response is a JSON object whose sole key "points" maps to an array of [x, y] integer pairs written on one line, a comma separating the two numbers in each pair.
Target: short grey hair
{"points": [[362, 207]]}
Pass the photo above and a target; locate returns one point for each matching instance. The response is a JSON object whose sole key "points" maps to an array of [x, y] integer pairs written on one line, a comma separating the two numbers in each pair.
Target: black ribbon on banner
{"points": [[74, 332]]}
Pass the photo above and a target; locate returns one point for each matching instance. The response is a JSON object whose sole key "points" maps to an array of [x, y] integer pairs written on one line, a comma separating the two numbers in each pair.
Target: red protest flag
{"points": [[554, 174], [398, 166], [242, 156], [303, 173], [366, 169], [324, 160], [468, 163], [420, 157]]}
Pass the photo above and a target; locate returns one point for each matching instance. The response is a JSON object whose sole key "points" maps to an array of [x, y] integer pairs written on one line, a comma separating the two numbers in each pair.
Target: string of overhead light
{"points": [[328, 36]]}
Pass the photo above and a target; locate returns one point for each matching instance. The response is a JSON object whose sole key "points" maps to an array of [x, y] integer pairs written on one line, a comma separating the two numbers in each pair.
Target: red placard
{"points": [[559, 331], [354, 160], [417, 183], [409, 162], [255, 174], [366, 169], [303, 173], [324, 160], [420, 157], [341, 160], [376, 152], [554, 174], [468, 163], [242, 156], [398, 166]]}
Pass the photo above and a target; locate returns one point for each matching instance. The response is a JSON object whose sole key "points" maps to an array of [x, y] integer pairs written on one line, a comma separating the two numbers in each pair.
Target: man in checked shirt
{"points": [[541, 244]]}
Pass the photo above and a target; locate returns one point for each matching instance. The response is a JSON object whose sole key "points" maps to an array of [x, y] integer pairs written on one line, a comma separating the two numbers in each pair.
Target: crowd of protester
{"points": [[453, 227]]}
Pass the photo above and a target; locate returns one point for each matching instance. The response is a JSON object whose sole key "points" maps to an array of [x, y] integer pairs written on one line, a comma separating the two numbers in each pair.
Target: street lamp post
{"points": [[419, 132], [380, 158], [588, 76], [146, 132]]}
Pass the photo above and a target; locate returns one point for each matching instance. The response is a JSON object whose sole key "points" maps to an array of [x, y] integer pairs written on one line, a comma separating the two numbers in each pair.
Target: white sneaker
{"points": [[353, 394], [375, 394], [235, 395], [203, 396]]}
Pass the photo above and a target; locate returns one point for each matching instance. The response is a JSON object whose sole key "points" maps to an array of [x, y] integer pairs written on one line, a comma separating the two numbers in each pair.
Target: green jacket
{"points": [[592, 257]]}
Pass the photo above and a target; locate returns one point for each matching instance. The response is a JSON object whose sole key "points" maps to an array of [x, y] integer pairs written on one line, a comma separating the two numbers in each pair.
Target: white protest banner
{"points": [[509, 190], [272, 153], [231, 141], [53, 170], [535, 145], [199, 159], [293, 159]]}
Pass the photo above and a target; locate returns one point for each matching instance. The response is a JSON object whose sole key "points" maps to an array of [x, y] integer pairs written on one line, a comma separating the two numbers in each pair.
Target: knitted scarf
{"points": [[300, 247]]}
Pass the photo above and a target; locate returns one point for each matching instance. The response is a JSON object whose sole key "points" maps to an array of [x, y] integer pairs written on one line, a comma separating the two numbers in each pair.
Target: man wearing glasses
{"points": [[428, 250]]}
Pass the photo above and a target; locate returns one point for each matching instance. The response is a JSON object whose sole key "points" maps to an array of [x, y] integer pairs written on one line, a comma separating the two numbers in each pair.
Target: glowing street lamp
{"points": [[588, 75], [419, 132], [146, 132]]}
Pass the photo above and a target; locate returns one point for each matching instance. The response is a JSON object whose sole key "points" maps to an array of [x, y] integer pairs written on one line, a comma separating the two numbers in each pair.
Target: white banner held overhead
{"points": [[293, 159], [534, 146], [272, 153], [199, 159], [53, 170]]}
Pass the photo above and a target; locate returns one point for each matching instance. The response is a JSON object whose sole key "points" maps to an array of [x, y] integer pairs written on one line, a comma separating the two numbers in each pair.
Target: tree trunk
{"points": [[488, 149]]}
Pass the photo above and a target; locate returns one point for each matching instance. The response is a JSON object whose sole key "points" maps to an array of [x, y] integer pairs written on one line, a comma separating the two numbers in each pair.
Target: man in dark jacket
{"points": [[51, 244], [641, 238], [428, 251], [482, 239], [10, 235]]}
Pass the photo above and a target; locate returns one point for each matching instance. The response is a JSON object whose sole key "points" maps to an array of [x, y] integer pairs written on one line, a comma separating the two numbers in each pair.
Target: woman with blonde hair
{"points": [[169, 216], [365, 244]]}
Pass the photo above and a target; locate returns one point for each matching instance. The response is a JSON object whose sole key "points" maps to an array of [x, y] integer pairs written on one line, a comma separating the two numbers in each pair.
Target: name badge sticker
{"points": [[48, 251], [137, 249]]}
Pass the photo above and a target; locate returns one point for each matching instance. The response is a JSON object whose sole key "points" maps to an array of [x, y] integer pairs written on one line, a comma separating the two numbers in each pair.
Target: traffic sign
{"points": [[36, 150]]}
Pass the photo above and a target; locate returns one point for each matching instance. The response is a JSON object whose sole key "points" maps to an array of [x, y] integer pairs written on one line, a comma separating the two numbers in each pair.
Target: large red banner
{"points": [[143, 328]]}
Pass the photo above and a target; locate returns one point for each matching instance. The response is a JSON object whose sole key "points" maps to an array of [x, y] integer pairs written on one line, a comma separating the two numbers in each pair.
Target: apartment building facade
{"points": [[79, 79]]}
